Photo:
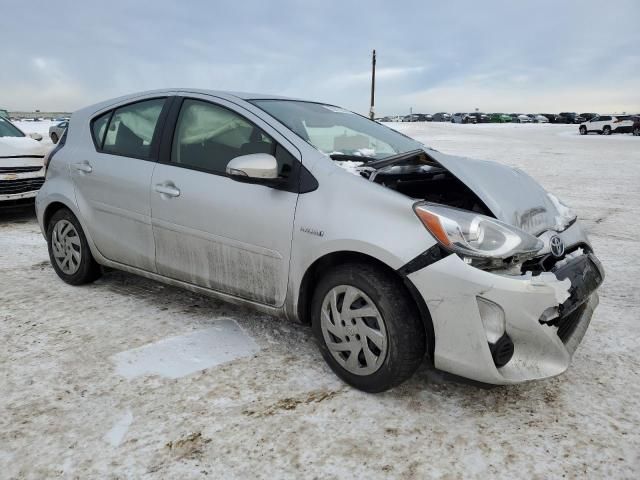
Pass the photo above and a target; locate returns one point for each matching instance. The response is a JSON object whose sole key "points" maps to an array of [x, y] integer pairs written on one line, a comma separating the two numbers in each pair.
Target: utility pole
{"points": [[373, 85]]}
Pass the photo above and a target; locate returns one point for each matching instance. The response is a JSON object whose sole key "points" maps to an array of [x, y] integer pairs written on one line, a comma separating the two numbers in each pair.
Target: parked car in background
{"points": [[417, 117], [500, 118], [4, 114], [480, 117], [56, 131], [588, 116], [570, 117], [521, 118], [552, 117], [441, 117], [463, 118], [21, 165], [607, 124], [469, 265], [538, 118], [635, 128]]}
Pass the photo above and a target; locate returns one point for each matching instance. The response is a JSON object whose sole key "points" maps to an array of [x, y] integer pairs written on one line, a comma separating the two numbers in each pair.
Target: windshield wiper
{"points": [[352, 158]]}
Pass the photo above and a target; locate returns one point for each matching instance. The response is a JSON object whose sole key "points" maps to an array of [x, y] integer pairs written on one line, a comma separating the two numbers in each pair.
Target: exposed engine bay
{"points": [[421, 177]]}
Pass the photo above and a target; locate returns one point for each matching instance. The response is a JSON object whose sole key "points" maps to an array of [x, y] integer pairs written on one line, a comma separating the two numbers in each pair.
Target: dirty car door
{"points": [[209, 229], [112, 175]]}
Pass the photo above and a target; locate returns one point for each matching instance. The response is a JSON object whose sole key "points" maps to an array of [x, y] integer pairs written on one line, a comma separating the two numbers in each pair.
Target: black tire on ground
{"points": [[583, 130], [406, 342], [54, 137], [88, 270], [606, 130], [636, 132]]}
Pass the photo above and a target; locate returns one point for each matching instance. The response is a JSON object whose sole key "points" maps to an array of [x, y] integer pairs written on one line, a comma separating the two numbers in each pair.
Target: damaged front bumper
{"points": [[545, 317]]}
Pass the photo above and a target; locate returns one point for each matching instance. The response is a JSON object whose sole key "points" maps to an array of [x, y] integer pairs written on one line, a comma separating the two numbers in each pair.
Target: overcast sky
{"points": [[525, 56]]}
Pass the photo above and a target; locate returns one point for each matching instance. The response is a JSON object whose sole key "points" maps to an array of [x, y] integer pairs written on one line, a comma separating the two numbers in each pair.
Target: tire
{"points": [[54, 137], [65, 236], [606, 130], [583, 130], [636, 132], [393, 334]]}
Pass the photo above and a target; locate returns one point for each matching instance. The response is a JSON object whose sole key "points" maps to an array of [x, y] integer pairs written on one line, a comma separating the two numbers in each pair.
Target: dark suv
{"points": [[570, 117]]}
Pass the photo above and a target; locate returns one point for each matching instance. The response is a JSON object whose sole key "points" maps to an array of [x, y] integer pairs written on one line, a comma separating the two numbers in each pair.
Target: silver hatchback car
{"points": [[393, 252]]}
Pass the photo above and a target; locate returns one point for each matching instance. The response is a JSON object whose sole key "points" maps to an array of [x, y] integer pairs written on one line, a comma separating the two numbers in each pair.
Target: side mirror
{"points": [[253, 168], [36, 136]]}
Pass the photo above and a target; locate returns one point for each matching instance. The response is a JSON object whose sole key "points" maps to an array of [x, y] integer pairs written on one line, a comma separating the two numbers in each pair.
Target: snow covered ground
{"points": [[99, 381]]}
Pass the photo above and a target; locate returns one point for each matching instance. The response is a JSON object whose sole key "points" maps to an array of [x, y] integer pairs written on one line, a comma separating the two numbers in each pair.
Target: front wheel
{"points": [[368, 329], [636, 132], [606, 130], [69, 251]]}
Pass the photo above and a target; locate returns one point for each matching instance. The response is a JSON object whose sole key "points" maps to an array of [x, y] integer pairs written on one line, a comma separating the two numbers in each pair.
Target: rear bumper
{"points": [[546, 317]]}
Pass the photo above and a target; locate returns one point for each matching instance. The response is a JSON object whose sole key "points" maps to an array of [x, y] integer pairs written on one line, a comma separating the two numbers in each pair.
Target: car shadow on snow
{"points": [[17, 214], [426, 386]]}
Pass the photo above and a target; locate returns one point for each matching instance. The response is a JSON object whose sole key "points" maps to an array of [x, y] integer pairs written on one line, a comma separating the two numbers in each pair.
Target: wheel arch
{"points": [[322, 264], [50, 210]]}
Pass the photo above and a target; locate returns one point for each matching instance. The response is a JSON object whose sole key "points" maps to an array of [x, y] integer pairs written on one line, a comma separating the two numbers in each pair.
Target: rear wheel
{"points": [[583, 130], [636, 132], [606, 130], [367, 327], [54, 137], [69, 251]]}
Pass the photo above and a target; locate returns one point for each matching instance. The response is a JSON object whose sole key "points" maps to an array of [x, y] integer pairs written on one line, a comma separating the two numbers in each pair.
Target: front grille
{"points": [[20, 169], [20, 185], [568, 323], [547, 263]]}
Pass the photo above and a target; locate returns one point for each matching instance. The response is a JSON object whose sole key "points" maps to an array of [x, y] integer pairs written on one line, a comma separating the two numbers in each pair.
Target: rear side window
{"points": [[131, 129]]}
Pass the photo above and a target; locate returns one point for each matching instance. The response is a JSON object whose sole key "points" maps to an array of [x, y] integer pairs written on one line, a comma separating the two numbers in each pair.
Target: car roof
{"points": [[165, 91]]}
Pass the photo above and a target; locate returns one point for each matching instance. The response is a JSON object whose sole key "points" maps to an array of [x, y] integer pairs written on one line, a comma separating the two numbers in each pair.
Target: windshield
{"points": [[7, 129], [336, 131]]}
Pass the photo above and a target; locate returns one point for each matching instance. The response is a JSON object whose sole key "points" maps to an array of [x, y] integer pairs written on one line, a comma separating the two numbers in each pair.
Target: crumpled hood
{"points": [[21, 147], [512, 195]]}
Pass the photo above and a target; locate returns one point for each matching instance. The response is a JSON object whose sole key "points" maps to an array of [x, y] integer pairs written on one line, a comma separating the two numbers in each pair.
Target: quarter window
{"points": [[132, 128], [98, 129], [208, 137]]}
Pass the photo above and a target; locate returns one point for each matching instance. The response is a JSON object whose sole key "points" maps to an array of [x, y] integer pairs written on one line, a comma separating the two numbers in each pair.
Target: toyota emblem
{"points": [[557, 246]]}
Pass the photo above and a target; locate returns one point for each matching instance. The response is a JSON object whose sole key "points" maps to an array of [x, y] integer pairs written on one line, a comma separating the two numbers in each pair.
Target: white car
{"points": [[539, 119], [522, 119], [21, 164], [607, 124]]}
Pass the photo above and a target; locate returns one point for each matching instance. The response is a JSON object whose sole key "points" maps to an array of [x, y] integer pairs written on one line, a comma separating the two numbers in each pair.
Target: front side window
{"points": [[132, 127], [333, 130], [209, 136], [7, 129]]}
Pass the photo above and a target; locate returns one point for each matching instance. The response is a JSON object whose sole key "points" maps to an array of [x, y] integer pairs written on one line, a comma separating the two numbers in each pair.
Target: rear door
{"points": [[112, 180], [209, 229]]}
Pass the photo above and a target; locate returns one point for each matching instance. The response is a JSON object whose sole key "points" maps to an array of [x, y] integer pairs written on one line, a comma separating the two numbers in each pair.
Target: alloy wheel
{"points": [[353, 330], [66, 247]]}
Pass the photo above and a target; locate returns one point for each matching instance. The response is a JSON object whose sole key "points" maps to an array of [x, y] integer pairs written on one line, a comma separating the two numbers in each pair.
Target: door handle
{"points": [[167, 189], [83, 167]]}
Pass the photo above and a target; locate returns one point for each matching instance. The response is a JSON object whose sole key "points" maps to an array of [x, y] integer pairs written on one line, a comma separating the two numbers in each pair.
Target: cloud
{"points": [[431, 56]]}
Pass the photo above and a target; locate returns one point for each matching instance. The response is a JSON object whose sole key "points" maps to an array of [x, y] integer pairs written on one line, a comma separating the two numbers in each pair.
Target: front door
{"points": [[211, 230]]}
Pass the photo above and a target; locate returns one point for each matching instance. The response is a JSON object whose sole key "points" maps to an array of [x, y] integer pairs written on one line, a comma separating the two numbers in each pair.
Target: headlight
{"points": [[476, 237]]}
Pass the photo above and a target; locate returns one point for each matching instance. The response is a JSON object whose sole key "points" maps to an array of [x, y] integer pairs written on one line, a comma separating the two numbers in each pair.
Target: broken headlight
{"points": [[480, 240]]}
